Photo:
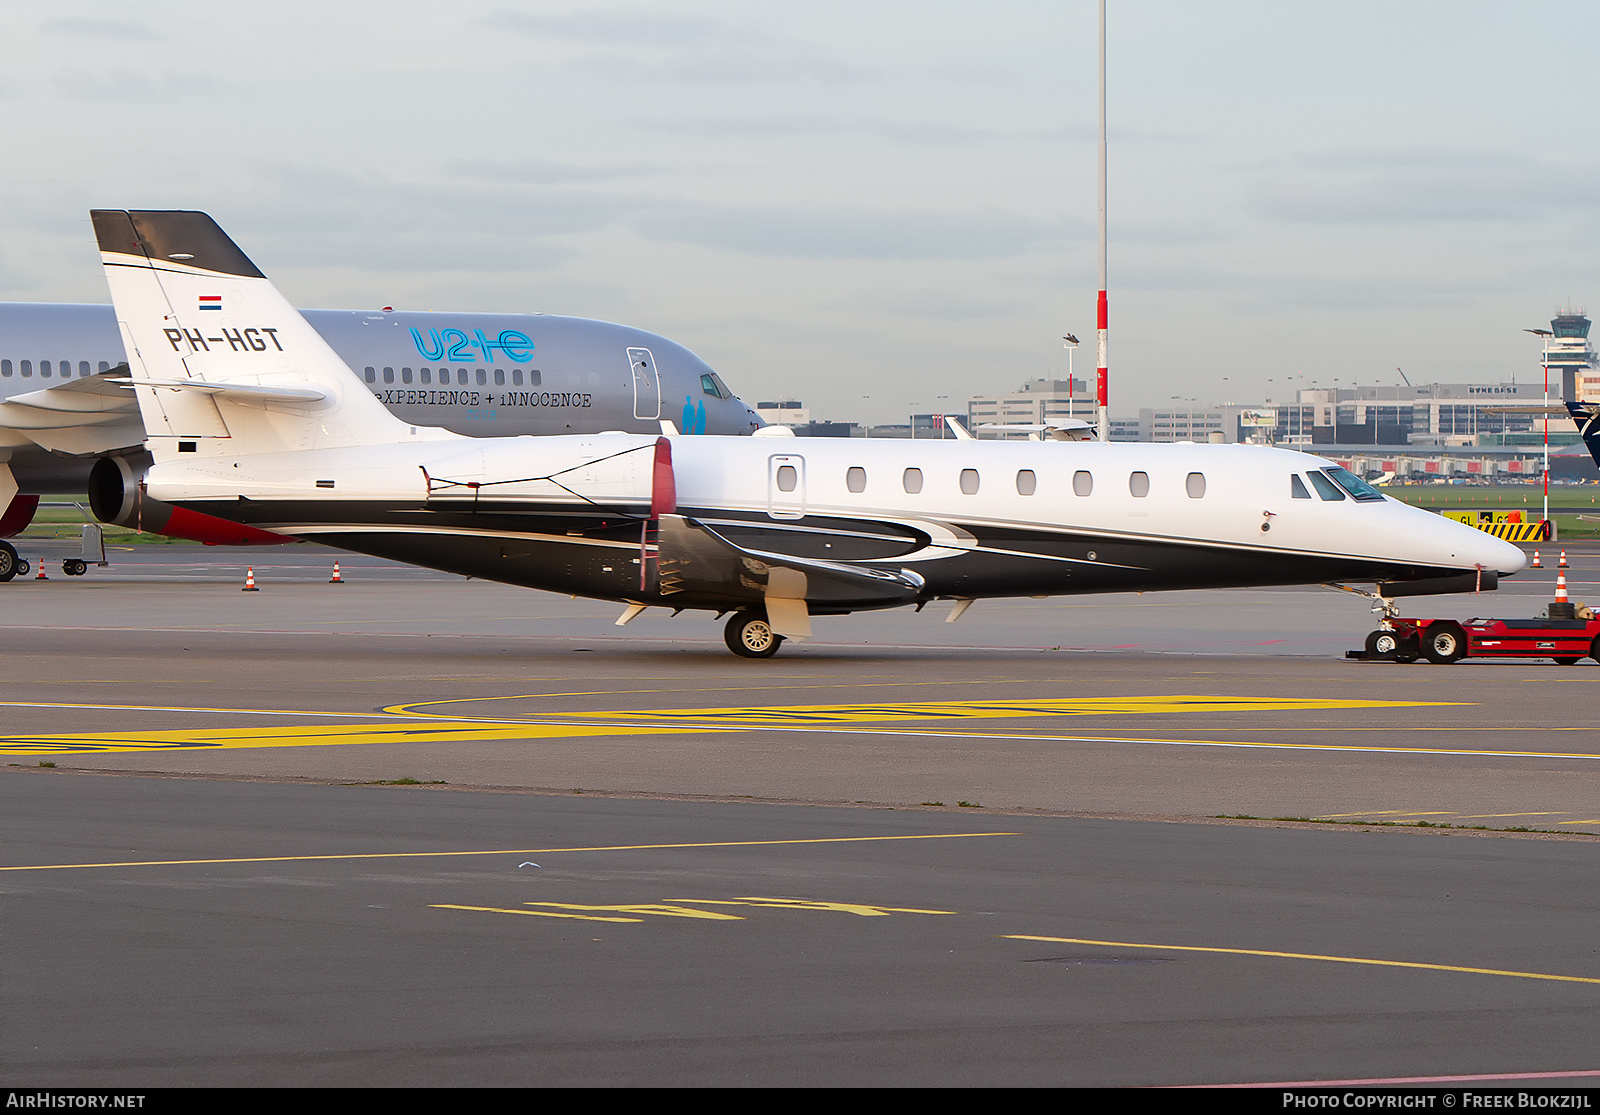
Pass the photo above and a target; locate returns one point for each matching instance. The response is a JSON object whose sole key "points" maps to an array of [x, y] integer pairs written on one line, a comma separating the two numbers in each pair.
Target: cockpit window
{"points": [[1297, 487], [712, 385], [1357, 487], [1325, 487]]}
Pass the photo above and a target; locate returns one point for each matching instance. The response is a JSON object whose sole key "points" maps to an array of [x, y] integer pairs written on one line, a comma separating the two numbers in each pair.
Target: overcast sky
{"points": [[833, 200]]}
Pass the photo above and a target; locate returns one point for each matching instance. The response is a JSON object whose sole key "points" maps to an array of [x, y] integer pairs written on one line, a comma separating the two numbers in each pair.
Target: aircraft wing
{"points": [[79, 417], [694, 557]]}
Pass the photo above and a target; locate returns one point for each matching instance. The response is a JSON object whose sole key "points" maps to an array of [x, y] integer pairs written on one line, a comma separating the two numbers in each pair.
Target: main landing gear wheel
{"points": [[749, 635], [8, 561], [74, 567], [1444, 644]]}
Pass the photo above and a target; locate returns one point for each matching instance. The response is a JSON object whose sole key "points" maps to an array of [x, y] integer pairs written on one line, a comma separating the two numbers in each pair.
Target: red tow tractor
{"points": [[1564, 636]]}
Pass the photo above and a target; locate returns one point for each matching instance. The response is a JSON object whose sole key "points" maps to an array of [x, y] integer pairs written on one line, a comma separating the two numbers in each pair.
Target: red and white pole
{"points": [[1102, 395]]}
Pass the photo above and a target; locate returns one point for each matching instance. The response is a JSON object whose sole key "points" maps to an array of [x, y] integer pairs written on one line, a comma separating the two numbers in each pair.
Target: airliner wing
{"points": [[78, 417]]}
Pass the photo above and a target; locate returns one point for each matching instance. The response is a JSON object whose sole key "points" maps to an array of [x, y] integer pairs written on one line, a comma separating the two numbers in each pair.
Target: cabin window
{"points": [[912, 479], [1027, 482], [483, 377], [1325, 487], [1139, 484], [969, 481], [5, 367], [788, 478], [1297, 487], [516, 377], [372, 375], [425, 375], [1082, 483], [388, 375], [1195, 485], [27, 369], [44, 368], [83, 368], [104, 367], [855, 479], [461, 376], [499, 377], [405, 375], [534, 378]]}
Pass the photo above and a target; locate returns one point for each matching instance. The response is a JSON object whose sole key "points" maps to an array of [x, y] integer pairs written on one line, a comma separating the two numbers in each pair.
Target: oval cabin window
{"points": [[1196, 485], [912, 481], [788, 478], [1082, 483], [969, 481], [856, 480], [1026, 482], [1139, 484]]}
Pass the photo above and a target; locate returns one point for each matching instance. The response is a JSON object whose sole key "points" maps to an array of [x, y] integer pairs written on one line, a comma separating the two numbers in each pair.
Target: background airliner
{"points": [[63, 402]]}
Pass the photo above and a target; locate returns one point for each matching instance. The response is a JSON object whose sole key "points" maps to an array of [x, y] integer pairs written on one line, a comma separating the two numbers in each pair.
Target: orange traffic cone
{"points": [[1563, 563], [1536, 564], [250, 580], [336, 580], [41, 576]]}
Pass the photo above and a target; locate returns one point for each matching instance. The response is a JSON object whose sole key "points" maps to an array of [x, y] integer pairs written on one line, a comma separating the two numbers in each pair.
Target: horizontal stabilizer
{"points": [[243, 392]]}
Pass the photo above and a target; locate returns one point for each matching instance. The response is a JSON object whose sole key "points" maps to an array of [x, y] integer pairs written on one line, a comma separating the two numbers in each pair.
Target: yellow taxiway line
{"points": [[502, 851], [1307, 956]]}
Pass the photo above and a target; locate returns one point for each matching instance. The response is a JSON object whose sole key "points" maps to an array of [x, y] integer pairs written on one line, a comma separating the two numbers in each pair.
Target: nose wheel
{"points": [[750, 635]]}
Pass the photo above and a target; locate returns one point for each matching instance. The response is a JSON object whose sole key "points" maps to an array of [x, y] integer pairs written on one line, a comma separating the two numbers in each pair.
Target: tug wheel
{"points": [[1382, 645], [1444, 644], [750, 635]]}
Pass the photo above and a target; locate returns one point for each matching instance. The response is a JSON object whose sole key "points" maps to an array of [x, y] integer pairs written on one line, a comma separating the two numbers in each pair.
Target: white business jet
{"points": [[287, 439]]}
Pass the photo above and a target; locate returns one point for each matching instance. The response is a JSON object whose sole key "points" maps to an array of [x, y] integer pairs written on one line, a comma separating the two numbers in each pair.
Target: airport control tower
{"points": [[1571, 359]]}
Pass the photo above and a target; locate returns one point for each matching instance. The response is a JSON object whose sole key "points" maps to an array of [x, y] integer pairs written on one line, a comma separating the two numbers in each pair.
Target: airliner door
{"points": [[786, 486], [646, 384]]}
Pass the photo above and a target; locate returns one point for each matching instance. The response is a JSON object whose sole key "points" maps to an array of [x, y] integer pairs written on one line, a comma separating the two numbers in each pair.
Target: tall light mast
{"points": [[1103, 414], [1544, 359]]}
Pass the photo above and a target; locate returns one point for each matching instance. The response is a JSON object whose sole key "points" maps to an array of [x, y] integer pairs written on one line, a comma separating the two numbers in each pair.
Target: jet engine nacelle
{"points": [[117, 496]]}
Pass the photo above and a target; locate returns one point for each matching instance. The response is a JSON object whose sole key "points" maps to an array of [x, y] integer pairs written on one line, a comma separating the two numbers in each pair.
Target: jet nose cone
{"points": [[1511, 559]]}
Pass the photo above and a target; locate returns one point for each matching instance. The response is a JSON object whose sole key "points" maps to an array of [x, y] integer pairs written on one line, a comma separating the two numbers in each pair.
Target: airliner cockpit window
{"points": [[1297, 487], [1325, 487], [1357, 487], [708, 384]]}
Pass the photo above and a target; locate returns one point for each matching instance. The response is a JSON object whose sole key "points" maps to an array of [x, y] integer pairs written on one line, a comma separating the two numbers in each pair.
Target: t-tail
{"points": [[222, 364], [1587, 416]]}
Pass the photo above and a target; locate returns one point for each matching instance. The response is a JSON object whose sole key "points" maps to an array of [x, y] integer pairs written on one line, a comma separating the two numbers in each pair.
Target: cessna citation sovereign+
{"points": [[773, 530]]}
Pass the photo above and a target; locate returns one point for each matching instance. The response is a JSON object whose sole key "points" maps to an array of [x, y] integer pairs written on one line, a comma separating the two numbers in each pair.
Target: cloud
{"points": [[1390, 187], [947, 305], [128, 86], [123, 30], [541, 172], [645, 45], [844, 233]]}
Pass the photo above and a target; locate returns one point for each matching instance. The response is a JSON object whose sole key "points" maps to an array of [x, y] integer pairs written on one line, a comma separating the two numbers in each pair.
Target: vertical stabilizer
{"points": [[223, 365]]}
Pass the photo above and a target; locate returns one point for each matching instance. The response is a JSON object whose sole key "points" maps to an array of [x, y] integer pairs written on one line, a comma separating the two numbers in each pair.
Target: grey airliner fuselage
{"points": [[484, 375]]}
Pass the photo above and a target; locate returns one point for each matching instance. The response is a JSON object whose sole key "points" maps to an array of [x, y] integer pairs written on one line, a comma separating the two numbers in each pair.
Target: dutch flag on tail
{"points": [[211, 301]]}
